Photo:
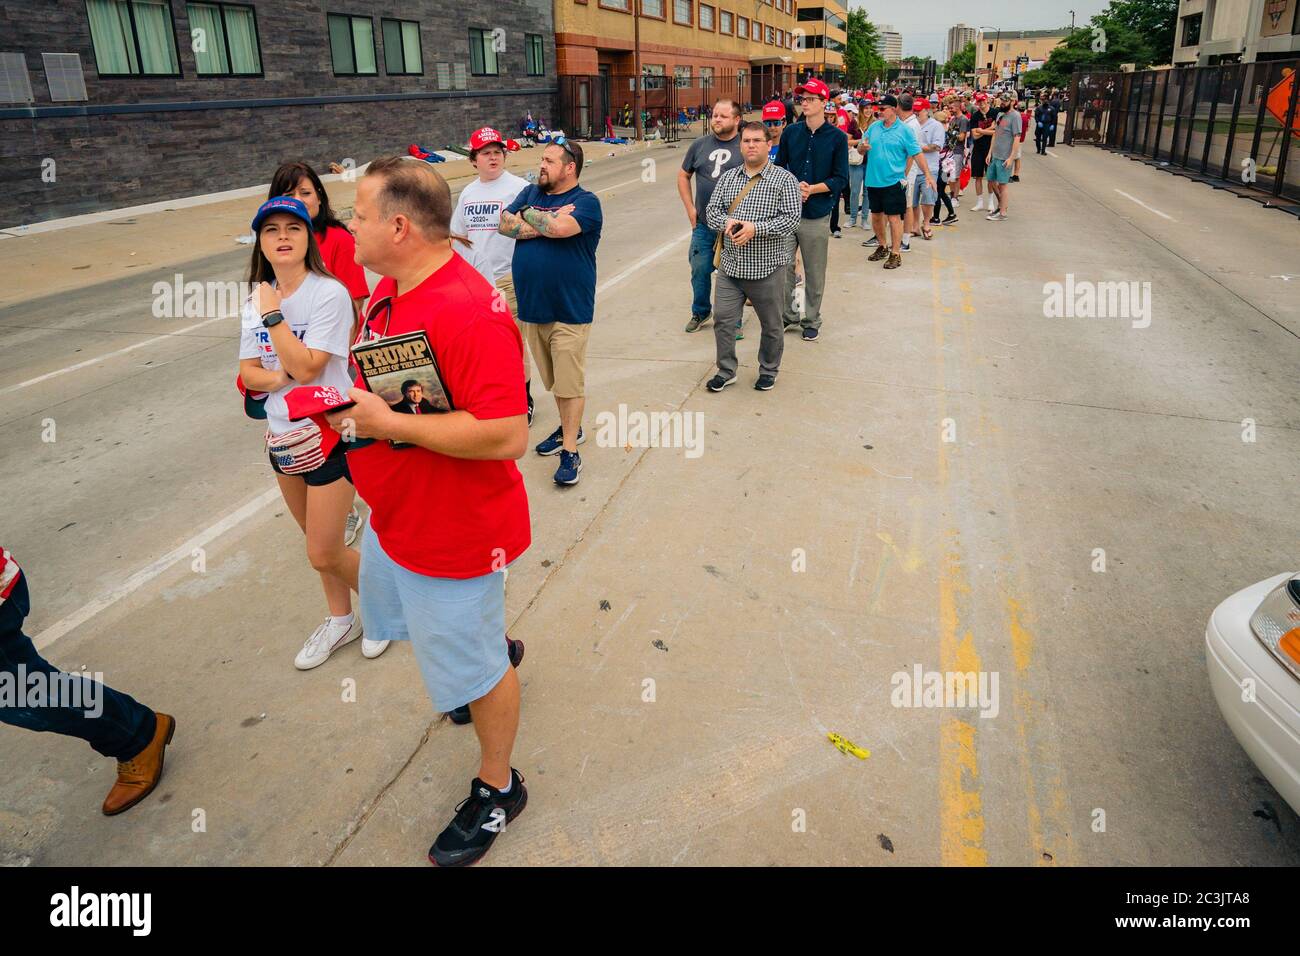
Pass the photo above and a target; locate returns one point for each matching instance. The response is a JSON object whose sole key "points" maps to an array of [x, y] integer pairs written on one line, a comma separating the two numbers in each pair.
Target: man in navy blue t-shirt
{"points": [[555, 280]]}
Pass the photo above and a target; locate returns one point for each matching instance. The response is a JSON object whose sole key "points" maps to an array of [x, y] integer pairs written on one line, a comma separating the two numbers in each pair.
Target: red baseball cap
{"points": [[254, 402], [775, 110], [306, 401], [481, 137], [920, 103], [814, 86]]}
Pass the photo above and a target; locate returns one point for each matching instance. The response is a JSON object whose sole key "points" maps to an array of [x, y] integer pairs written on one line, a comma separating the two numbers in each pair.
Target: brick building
{"points": [[695, 43], [112, 103]]}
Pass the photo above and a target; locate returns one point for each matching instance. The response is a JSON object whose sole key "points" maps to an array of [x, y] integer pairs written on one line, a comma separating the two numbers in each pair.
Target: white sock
{"points": [[506, 788], [343, 621]]}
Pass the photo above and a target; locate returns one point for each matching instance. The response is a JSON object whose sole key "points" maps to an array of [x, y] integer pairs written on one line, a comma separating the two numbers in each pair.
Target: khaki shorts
{"points": [[560, 351], [506, 284]]}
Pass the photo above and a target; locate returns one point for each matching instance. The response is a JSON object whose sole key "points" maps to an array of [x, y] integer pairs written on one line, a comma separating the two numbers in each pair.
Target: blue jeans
{"points": [[857, 195], [121, 730], [701, 259]]}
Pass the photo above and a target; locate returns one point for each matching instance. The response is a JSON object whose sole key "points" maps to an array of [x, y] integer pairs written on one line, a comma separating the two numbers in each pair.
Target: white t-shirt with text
{"points": [[319, 313], [477, 216]]}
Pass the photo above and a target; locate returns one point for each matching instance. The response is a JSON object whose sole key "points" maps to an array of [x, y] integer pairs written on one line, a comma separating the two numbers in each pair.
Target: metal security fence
{"points": [[592, 105], [1234, 124]]}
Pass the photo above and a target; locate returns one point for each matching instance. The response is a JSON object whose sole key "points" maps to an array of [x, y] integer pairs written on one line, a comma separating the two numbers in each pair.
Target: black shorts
{"points": [[979, 163], [334, 467], [890, 200]]}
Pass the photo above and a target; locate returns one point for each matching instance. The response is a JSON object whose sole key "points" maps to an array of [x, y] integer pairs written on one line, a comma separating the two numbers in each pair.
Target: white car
{"points": [[1252, 651]]}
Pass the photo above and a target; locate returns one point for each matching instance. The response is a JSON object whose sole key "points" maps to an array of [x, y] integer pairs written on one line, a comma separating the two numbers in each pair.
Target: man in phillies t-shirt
{"points": [[448, 514]]}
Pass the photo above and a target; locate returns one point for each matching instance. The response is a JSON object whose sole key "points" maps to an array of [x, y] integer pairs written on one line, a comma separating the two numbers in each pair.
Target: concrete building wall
{"points": [[1232, 29], [139, 139]]}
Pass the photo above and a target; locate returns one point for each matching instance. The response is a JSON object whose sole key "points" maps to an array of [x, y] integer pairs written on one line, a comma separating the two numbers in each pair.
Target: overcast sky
{"points": [[925, 24]]}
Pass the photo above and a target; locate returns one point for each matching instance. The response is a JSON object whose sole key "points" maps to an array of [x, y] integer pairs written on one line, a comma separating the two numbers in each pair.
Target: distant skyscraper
{"points": [[958, 37], [890, 44]]}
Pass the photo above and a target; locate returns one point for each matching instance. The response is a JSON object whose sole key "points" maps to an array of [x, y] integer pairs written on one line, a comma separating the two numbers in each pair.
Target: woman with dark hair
{"points": [[338, 250], [337, 247], [296, 330]]}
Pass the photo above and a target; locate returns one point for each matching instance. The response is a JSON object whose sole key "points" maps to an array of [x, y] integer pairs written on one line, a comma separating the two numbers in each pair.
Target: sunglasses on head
{"points": [[563, 143]]}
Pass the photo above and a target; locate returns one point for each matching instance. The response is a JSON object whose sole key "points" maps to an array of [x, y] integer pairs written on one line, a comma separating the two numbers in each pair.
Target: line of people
{"points": [[763, 199]]}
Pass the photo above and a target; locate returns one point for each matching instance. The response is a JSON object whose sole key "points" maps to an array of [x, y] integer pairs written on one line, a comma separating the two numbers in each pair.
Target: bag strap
{"points": [[717, 243]]}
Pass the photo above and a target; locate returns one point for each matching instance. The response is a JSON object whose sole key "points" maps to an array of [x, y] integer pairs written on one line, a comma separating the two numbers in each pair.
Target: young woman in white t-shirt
{"points": [[295, 331]]}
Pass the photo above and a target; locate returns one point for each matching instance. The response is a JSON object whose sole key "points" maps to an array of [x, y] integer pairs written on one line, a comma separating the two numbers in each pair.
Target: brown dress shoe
{"points": [[137, 777]]}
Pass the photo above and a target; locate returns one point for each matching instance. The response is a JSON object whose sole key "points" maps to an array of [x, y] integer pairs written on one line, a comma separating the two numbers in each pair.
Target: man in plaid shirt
{"points": [[757, 245]]}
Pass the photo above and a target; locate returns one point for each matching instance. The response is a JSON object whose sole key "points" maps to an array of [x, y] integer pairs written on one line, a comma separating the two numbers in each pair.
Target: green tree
{"points": [[962, 62], [1155, 21], [862, 61], [1104, 44]]}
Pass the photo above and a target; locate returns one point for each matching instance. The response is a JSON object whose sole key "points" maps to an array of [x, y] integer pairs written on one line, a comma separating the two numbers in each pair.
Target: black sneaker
{"points": [[765, 383], [873, 241], [461, 715], [718, 383], [949, 220], [480, 819], [810, 335], [1015, 179]]}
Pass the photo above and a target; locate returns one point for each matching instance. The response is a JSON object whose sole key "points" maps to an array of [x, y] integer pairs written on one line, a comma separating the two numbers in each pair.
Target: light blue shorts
{"points": [[457, 627], [925, 196], [999, 170]]}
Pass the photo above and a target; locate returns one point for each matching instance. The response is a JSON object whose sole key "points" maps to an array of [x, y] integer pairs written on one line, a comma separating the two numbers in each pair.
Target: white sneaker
{"points": [[979, 203], [325, 640], [353, 527], [372, 649]]}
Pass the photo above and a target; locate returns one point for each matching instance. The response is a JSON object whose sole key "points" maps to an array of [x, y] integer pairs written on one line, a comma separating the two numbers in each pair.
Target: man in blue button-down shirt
{"points": [[818, 155]]}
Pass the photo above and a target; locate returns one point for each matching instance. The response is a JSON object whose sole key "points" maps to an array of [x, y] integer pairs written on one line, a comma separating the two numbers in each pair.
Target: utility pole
{"points": [[636, 67]]}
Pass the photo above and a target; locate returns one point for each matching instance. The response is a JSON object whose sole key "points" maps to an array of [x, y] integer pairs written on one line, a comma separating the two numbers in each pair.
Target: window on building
{"points": [[706, 17], [1192, 30], [352, 45], [683, 11], [482, 52], [133, 37], [756, 32], [534, 54], [402, 54], [652, 76], [990, 50], [742, 27], [681, 76], [706, 76], [223, 37], [623, 5], [836, 22], [652, 8], [780, 38], [811, 14], [724, 22]]}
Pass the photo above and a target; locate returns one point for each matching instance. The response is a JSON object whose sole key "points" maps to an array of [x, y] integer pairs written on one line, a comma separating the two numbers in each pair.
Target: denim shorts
{"points": [[456, 626], [925, 196]]}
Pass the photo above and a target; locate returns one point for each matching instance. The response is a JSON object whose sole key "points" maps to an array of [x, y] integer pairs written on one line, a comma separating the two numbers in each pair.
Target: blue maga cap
{"points": [[285, 204]]}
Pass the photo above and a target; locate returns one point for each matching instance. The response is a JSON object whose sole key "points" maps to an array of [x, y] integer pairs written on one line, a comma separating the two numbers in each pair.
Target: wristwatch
{"points": [[272, 318]]}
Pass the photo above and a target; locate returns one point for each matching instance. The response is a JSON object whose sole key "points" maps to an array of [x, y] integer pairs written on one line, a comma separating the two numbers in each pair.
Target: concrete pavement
{"points": [[828, 538]]}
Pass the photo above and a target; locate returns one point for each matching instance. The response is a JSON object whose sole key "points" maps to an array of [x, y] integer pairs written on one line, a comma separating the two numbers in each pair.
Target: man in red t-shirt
{"points": [[448, 513]]}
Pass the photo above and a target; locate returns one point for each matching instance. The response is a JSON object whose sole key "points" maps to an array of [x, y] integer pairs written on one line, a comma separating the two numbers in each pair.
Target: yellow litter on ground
{"points": [[845, 746]]}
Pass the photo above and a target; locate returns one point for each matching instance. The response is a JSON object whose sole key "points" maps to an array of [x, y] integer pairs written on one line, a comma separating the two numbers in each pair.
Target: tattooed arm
{"points": [[514, 226], [552, 223]]}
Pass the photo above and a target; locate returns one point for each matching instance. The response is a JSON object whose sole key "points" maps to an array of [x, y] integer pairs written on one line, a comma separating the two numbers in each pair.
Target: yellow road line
{"points": [[961, 807]]}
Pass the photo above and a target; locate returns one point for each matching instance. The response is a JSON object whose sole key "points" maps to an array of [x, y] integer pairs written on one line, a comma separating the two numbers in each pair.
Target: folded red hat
{"points": [[254, 402], [308, 401]]}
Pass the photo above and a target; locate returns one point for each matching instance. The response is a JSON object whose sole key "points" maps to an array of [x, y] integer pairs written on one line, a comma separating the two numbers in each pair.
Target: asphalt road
{"points": [[927, 487]]}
